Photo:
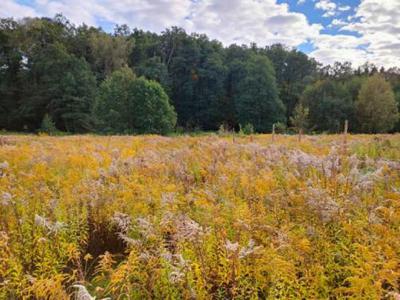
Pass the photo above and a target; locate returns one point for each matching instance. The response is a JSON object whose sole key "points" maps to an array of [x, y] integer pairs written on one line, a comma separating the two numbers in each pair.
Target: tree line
{"points": [[58, 76]]}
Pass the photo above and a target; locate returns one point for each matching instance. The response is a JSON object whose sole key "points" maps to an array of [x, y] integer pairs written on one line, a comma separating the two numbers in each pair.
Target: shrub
{"points": [[48, 126]]}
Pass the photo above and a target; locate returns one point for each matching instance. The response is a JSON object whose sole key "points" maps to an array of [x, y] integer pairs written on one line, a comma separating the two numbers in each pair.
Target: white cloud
{"points": [[263, 22], [344, 8], [328, 6], [300, 2], [337, 23], [240, 21], [10, 8], [341, 47], [379, 24]]}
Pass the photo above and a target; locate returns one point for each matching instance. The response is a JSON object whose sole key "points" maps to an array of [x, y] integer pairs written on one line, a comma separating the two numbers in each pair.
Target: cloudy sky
{"points": [[329, 30]]}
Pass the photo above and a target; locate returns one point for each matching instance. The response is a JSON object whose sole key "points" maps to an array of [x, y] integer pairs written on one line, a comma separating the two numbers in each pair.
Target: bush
{"points": [[247, 129], [280, 127]]}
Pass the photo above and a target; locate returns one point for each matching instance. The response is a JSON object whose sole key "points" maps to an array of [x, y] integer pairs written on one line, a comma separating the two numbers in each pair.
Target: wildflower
{"points": [[41, 221], [396, 296], [128, 240], [353, 161], [373, 218], [6, 198], [231, 247], [51, 227], [57, 226], [113, 170], [249, 249], [4, 236], [167, 198], [186, 229], [145, 227], [123, 221], [322, 203], [167, 256], [342, 179], [144, 256], [4, 165], [30, 278], [42, 240], [303, 160], [176, 276], [331, 164], [82, 293], [243, 224], [178, 266], [282, 239]]}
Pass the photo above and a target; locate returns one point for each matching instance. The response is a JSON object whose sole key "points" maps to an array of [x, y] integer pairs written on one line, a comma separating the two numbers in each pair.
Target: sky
{"points": [[328, 30]]}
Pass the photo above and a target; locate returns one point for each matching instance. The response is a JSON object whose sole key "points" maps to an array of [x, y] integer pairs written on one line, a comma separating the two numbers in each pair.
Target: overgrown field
{"points": [[200, 217]]}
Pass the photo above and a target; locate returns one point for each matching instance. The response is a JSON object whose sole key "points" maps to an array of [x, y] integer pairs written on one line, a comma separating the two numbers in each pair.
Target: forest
{"points": [[59, 77]]}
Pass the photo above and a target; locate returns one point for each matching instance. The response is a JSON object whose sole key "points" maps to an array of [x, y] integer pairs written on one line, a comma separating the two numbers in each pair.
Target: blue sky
{"points": [[329, 30]]}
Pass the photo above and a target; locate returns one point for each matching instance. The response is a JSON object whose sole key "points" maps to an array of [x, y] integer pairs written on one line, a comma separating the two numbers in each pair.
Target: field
{"points": [[211, 217]]}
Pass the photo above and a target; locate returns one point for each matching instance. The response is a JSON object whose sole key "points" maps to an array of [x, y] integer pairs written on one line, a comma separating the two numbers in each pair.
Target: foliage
{"points": [[294, 71], [154, 217], [256, 97], [329, 104], [376, 106], [280, 127], [131, 105], [153, 112], [247, 129], [48, 125], [300, 118], [51, 66], [109, 53]]}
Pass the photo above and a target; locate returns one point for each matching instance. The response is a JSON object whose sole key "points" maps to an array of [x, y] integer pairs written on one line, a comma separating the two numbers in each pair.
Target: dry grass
{"points": [[200, 217]]}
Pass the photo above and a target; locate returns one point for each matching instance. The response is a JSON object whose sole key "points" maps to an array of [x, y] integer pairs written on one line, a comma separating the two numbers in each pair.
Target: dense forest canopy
{"points": [[77, 79]]}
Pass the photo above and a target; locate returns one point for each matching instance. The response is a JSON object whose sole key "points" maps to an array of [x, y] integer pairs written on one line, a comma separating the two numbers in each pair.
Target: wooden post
{"points": [[273, 132], [346, 127], [300, 133]]}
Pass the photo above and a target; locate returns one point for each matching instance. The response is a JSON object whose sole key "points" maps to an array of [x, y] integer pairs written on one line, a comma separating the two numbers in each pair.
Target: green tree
{"points": [[294, 70], [114, 107], [330, 104], [300, 118], [109, 53], [48, 125], [256, 98], [153, 112], [11, 75], [130, 105], [62, 86], [376, 106], [197, 73]]}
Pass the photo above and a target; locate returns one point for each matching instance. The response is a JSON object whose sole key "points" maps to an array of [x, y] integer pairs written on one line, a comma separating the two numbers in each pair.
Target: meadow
{"points": [[208, 217]]}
